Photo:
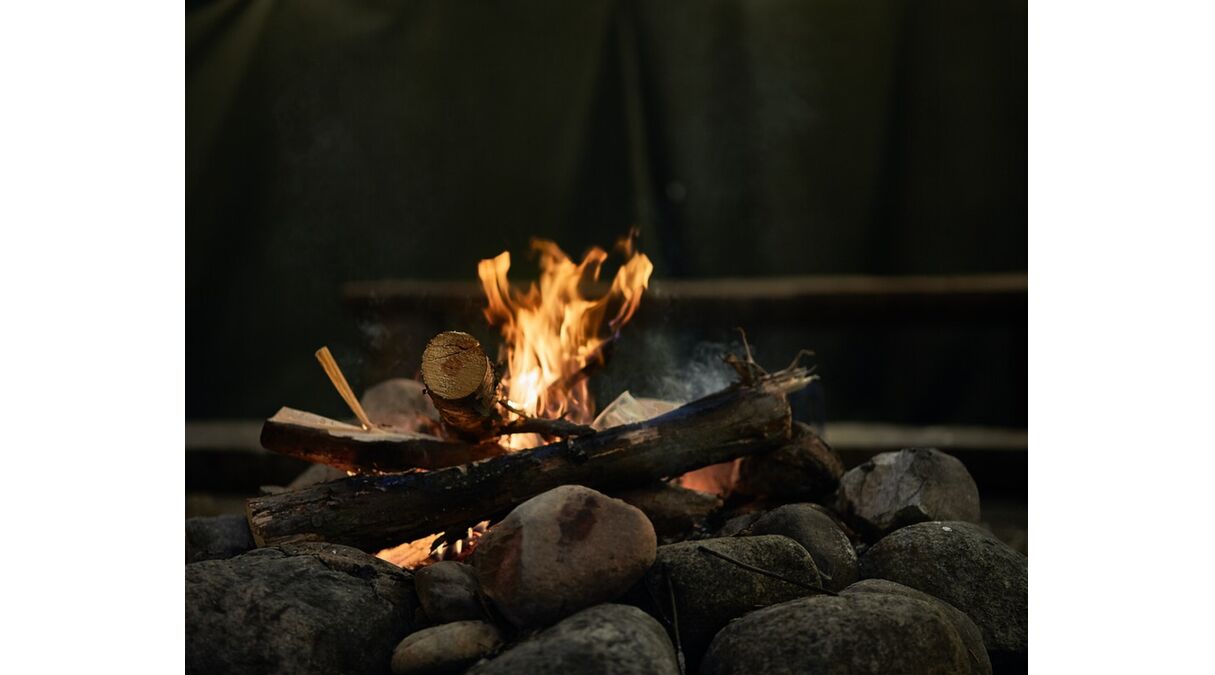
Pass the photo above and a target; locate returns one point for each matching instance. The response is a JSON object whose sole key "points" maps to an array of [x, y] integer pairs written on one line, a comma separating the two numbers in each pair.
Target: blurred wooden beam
{"points": [[872, 437], [225, 456], [787, 300]]}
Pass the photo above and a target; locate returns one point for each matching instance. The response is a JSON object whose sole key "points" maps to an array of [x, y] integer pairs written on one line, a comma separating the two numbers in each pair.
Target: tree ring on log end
{"points": [[454, 366]]}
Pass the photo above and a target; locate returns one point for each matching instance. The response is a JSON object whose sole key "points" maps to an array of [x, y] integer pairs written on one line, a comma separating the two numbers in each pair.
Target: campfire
{"points": [[518, 506], [554, 333]]}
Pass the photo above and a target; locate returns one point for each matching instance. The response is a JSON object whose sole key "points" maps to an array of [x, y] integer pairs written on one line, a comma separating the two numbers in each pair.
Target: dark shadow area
{"points": [[337, 142]]}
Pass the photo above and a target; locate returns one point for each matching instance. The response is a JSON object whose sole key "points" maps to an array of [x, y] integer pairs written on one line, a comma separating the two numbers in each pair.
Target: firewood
{"points": [[351, 448], [461, 381], [339, 382], [375, 512]]}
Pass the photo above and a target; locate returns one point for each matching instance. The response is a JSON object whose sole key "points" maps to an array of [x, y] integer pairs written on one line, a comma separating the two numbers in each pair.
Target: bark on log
{"points": [[372, 512], [351, 448], [460, 380]]}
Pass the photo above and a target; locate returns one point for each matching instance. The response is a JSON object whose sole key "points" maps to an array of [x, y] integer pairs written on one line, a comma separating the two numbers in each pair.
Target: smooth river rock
{"points": [[449, 648], [967, 567], [970, 634], [710, 591], [602, 640], [857, 634], [561, 551], [447, 591], [400, 403], [819, 534]]}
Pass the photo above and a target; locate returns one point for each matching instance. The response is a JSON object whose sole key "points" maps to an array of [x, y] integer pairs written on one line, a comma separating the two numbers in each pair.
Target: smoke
{"points": [[681, 378]]}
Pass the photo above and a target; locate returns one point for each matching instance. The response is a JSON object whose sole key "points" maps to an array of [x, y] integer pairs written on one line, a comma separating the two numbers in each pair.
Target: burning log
{"points": [[314, 438], [461, 382], [375, 512]]}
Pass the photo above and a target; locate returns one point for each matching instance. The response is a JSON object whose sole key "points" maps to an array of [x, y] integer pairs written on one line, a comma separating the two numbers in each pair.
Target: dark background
{"points": [[329, 142]]}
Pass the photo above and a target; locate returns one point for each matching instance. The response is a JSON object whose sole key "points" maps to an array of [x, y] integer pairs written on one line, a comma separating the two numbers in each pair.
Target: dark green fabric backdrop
{"points": [[334, 141]]}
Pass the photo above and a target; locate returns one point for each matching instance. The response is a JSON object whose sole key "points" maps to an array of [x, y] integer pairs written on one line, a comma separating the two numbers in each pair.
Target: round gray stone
{"points": [[819, 534], [448, 591], [675, 512], [449, 648], [858, 634], [710, 591], [970, 634], [296, 608], [602, 640], [965, 566]]}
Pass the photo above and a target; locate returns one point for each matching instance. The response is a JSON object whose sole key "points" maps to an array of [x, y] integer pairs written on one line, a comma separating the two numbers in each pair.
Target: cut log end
{"points": [[454, 367], [460, 380]]}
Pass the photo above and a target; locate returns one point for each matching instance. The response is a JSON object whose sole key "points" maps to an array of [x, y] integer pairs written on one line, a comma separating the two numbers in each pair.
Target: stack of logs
{"points": [[413, 484]]}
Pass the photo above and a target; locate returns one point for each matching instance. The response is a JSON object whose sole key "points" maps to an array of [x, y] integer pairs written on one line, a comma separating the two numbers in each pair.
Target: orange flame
{"points": [[553, 331]]}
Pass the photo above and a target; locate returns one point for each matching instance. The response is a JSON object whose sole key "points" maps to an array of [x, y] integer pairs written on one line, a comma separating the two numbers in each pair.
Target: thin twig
{"points": [[797, 359], [666, 572], [545, 427], [343, 387], [746, 345], [749, 372], [768, 573]]}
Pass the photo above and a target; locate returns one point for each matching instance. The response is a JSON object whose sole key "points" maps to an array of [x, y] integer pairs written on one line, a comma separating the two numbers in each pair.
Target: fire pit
{"points": [[489, 517]]}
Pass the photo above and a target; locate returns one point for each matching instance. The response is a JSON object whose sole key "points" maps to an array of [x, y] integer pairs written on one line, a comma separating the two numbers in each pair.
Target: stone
{"points": [[217, 537], [894, 489], [602, 640], [400, 403], [710, 591], [562, 551], [965, 566], [448, 592], [449, 648], [858, 634], [970, 634], [296, 608], [675, 512], [737, 525], [818, 533], [807, 469]]}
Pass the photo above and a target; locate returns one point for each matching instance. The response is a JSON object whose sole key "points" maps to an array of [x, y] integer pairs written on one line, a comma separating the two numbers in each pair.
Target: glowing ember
{"points": [[423, 552], [553, 331]]}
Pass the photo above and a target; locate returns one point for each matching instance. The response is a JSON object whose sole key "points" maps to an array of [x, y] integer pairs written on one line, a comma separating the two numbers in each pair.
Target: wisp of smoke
{"points": [[687, 379]]}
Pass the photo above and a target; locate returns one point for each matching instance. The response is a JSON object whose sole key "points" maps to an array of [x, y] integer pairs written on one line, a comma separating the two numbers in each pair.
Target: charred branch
{"points": [[351, 448], [374, 512]]}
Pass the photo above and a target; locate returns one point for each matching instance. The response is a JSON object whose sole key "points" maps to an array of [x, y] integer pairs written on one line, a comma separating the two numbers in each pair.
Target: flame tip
{"points": [[552, 330]]}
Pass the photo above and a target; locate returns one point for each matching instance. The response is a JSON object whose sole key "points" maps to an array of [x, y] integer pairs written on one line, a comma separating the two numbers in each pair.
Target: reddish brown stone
{"points": [[562, 551]]}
